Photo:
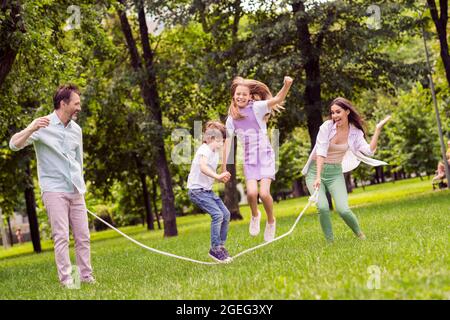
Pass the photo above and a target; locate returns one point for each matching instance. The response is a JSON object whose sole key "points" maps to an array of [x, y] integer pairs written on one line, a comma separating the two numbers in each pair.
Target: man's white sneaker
{"points": [[90, 280], [254, 224], [269, 233]]}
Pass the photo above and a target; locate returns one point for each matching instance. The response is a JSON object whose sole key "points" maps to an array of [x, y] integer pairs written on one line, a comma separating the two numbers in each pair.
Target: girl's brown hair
{"points": [[353, 117], [258, 91]]}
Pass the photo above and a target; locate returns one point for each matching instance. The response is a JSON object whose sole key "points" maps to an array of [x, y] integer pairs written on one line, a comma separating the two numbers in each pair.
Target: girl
{"points": [[250, 108], [340, 147]]}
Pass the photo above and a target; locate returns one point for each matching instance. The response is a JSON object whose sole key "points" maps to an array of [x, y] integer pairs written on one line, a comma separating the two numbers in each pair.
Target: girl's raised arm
{"points": [[275, 102]]}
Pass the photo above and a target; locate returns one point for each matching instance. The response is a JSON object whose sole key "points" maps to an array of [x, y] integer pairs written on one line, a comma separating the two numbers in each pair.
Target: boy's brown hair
{"points": [[214, 130]]}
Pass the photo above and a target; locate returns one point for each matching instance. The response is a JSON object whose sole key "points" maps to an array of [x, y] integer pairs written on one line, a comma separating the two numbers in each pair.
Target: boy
{"points": [[200, 181]]}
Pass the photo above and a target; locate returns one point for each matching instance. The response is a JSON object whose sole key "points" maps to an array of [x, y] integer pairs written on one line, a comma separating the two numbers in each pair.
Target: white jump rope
{"points": [[313, 199]]}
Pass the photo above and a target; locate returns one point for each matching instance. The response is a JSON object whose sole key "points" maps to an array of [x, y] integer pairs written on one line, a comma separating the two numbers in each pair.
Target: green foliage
{"points": [[352, 56], [413, 133]]}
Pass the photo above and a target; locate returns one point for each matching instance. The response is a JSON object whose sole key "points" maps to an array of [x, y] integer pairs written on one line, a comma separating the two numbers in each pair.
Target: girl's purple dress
{"points": [[259, 157]]}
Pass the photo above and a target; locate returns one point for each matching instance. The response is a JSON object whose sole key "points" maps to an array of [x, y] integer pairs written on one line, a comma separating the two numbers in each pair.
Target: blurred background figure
{"points": [[438, 179], [19, 236]]}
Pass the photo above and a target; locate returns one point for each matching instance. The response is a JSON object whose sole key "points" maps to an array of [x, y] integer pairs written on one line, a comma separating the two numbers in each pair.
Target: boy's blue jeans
{"points": [[208, 201]]}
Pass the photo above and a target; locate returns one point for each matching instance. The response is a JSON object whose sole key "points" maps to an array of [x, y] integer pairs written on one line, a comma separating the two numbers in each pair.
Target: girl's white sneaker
{"points": [[269, 233], [254, 224]]}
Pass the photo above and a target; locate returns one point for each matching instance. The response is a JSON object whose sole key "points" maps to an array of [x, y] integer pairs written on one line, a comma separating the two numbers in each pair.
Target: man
{"points": [[58, 143]]}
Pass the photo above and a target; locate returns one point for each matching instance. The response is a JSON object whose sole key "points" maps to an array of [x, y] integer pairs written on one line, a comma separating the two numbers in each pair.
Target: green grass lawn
{"points": [[407, 226]]}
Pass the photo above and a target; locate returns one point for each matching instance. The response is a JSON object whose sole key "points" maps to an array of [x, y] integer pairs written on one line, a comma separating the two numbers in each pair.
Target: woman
{"points": [[340, 147]]}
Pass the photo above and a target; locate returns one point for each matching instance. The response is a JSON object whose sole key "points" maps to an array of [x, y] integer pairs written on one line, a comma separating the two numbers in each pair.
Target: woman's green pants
{"points": [[332, 179]]}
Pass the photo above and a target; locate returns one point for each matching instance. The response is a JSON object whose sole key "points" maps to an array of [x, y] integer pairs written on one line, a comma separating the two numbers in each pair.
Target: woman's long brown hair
{"points": [[354, 117]]}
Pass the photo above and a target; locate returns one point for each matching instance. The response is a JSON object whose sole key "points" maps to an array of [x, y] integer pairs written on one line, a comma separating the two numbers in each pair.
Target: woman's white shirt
{"points": [[358, 151]]}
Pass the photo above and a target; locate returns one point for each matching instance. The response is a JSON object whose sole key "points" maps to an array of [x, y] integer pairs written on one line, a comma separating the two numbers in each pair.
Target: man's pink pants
{"points": [[64, 209]]}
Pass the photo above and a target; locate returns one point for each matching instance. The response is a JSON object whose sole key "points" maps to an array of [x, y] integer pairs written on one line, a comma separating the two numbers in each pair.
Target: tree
{"points": [[149, 93], [329, 50], [440, 21], [118, 150], [23, 93], [31, 209], [412, 133], [11, 23]]}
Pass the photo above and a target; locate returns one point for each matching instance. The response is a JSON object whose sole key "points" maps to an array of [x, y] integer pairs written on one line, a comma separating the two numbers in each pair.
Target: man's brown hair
{"points": [[63, 94]]}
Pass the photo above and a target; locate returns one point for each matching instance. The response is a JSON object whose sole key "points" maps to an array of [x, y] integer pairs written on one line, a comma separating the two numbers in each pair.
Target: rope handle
{"points": [[315, 196]]}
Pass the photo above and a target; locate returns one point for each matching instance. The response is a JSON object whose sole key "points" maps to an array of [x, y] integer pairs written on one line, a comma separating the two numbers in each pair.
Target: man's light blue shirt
{"points": [[59, 152]]}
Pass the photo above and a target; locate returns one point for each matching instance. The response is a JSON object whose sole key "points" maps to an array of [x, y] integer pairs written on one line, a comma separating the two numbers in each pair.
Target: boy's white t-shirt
{"points": [[197, 179]]}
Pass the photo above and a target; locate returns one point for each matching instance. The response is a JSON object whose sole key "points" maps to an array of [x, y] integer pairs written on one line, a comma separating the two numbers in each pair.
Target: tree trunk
{"points": [[310, 56], [377, 175], [7, 57], [313, 100], [441, 28], [10, 231], [145, 193], [167, 197], [148, 208], [155, 205], [310, 53], [231, 200], [7, 52], [150, 96], [348, 182], [298, 188], [31, 209]]}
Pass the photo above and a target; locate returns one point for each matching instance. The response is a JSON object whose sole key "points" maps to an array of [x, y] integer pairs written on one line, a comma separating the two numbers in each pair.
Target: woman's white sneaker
{"points": [[254, 224], [269, 233]]}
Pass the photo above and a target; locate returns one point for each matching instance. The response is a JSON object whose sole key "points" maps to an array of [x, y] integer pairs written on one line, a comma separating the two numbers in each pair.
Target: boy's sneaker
{"points": [[218, 255], [269, 233], [254, 224], [225, 252]]}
